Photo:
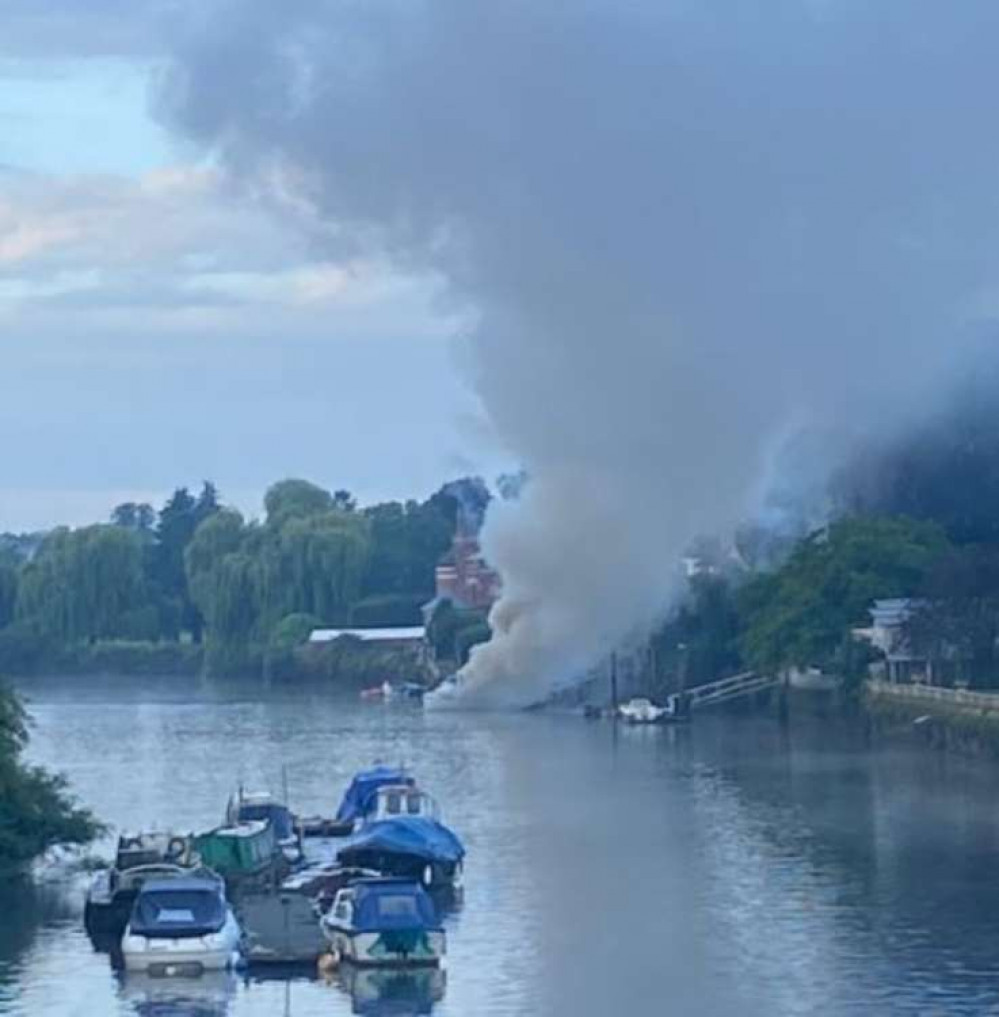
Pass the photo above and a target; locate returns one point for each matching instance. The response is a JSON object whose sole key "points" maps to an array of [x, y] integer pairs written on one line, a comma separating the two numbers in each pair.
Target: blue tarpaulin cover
{"points": [[408, 835], [360, 794], [392, 904], [178, 908]]}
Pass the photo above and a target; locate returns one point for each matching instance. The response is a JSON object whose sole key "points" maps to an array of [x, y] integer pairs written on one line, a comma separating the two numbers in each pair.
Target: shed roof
{"points": [[381, 635]]}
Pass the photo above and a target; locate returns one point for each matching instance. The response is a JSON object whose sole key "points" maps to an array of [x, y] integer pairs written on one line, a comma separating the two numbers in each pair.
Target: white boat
{"points": [[181, 927], [385, 922], [138, 858], [643, 711]]}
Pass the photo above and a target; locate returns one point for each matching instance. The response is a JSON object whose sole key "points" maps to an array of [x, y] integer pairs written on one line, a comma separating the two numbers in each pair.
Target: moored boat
{"points": [[244, 854], [181, 927], [138, 858], [411, 847], [385, 922], [262, 806], [643, 711], [361, 793]]}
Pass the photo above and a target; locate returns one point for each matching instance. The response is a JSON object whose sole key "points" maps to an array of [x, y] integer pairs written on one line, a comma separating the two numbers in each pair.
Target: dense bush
{"points": [[36, 810]]}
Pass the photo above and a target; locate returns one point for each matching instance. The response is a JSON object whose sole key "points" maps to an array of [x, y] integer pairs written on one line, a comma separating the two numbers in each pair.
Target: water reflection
{"points": [[379, 992], [208, 995]]}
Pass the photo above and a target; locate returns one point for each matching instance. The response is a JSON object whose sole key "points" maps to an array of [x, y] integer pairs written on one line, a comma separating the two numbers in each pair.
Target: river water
{"points": [[731, 868]]}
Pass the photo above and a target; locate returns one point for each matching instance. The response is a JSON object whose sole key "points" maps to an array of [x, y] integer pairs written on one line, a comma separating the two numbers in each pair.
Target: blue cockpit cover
{"points": [[392, 904], [407, 835], [359, 795], [178, 908]]}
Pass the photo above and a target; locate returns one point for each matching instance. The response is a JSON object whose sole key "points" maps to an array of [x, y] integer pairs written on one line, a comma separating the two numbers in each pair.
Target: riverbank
{"points": [[963, 723]]}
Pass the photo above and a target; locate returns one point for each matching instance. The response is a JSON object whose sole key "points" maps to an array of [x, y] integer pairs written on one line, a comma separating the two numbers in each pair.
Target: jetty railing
{"points": [[744, 684], [986, 701]]}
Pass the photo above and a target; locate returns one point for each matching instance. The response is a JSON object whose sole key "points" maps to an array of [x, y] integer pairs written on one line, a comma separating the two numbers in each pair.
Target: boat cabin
{"points": [[242, 849], [394, 800], [261, 806]]}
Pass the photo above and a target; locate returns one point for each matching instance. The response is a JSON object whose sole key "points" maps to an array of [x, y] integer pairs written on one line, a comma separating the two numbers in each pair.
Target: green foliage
{"points": [[388, 610], [36, 811], [82, 584], [9, 578], [447, 626], [798, 615], [467, 637], [293, 630], [701, 641], [296, 499], [197, 569], [407, 542]]}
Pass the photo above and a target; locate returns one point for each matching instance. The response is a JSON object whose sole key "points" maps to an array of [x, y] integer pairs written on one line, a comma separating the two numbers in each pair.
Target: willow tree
{"points": [[320, 563], [83, 584]]}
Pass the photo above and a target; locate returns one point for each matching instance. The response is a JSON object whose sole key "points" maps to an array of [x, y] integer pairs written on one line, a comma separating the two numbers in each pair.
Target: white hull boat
{"points": [[181, 927], [385, 922]]}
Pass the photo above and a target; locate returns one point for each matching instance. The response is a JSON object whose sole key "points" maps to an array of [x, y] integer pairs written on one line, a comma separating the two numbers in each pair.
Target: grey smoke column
{"points": [[685, 228]]}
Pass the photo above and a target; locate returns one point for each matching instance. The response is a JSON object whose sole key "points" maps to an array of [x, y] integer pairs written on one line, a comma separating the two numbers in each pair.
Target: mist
{"points": [[682, 233]]}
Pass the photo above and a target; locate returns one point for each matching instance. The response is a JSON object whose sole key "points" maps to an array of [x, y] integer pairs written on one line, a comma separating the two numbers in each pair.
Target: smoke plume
{"points": [[685, 230]]}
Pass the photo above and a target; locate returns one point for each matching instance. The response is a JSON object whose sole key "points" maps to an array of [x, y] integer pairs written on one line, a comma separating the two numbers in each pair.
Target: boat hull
{"points": [[219, 951]]}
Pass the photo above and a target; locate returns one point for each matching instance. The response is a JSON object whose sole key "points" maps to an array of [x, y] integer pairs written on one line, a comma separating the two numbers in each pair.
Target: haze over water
{"points": [[728, 869]]}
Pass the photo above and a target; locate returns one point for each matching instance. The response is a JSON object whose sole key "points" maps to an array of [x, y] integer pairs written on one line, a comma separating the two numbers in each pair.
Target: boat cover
{"points": [[390, 905], [417, 836], [360, 794], [178, 909]]}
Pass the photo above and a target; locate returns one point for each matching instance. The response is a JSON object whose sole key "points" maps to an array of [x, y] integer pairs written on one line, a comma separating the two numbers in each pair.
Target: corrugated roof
{"points": [[383, 635]]}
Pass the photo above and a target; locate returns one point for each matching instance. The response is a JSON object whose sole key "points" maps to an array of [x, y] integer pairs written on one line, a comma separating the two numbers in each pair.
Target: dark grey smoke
{"points": [[686, 229]]}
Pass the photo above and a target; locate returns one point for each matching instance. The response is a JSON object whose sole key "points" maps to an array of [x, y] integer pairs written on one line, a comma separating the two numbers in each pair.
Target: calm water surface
{"points": [[728, 869]]}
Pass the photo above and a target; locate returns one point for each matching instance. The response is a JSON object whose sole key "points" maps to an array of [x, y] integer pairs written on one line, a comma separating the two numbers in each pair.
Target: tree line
{"points": [[915, 515], [197, 577]]}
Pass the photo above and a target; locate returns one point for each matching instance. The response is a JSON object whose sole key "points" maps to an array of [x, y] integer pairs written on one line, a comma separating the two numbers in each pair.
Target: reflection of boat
{"points": [[393, 992], [261, 806], [208, 995], [385, 922], [138, 858], [410, 847], [181, 926]]}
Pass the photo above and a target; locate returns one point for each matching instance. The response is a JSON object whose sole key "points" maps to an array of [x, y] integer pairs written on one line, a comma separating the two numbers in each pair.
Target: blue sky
{"points": [[158, 328], [68, 116]]}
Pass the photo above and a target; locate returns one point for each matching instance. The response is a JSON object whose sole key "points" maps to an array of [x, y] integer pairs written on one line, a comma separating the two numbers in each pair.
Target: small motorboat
{"points": [[138, 858], [262, 806], [244, 854], [385, 922], [644, 711], [360, 796], [181, 927], [381, 693]]}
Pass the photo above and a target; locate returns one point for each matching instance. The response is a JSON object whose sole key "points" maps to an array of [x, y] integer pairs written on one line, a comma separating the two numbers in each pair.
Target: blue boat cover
{"points": [[407, 835], [392, 904], [178, 908], [358, 797]]}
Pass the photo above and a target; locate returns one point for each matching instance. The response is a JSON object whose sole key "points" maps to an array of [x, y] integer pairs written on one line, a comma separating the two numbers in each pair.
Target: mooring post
{"points": [[613, 678]]}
